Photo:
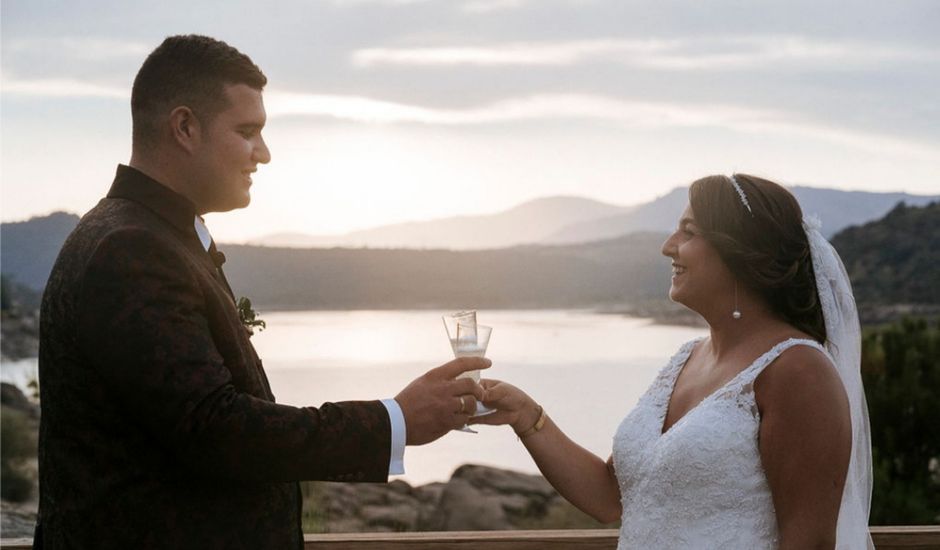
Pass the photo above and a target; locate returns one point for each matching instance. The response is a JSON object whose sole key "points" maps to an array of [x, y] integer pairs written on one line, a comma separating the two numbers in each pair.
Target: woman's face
{"points": [[699, 277]]}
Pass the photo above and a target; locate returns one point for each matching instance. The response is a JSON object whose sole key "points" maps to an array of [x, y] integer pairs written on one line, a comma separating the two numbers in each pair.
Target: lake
{"points": [[586, 369]]}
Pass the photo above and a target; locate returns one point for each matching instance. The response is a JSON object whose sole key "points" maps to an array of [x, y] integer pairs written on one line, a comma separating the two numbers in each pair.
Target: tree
{"points": [[5, 302], [901, 373]]}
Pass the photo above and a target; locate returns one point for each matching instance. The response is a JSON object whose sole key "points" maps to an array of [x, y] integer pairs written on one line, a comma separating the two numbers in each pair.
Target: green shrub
{"points": [[901, 372], [17, 445], [315, 517]]}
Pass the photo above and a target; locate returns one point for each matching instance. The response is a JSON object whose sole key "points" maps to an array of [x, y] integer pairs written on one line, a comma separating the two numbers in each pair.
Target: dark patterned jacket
{"points": [[159, 429]]}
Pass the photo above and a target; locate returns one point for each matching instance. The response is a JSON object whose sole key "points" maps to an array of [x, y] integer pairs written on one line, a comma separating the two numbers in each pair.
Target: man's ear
{"points": [[185, 128]]}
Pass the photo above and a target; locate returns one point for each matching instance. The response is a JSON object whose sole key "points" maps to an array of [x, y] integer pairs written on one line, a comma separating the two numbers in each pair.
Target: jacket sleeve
{"points": [[143, 325]]}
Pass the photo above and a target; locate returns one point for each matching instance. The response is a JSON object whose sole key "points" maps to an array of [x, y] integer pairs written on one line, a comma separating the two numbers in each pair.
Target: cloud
{"points": [[479, 7], [634, 114], [559, 53], [81, 48], [61, 87], [490, 6], [730, 53], [344, 3], [533, 107]]}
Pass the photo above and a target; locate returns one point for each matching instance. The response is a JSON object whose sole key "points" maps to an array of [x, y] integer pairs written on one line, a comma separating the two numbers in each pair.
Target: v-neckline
{"points": [[681, 367]]}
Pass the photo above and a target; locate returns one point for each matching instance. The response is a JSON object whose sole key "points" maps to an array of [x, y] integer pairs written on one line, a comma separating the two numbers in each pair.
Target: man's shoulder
{"points": [[115, 230], [117, 220], [118, 213]]}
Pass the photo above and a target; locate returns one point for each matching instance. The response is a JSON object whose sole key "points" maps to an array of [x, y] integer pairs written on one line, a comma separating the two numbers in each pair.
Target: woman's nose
{"points": [[669, 247]]}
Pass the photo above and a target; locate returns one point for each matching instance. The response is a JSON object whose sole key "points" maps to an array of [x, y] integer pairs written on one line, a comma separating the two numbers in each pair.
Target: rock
{"points": [[12, 397], [346, 525], [464, 507], [505, 481], [476, 498], [17, 520], [19, 335], [430, 493], [401, 487], [517, 504], [397, 518]]}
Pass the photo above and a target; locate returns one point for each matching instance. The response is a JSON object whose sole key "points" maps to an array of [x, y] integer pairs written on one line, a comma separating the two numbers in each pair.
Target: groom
{"points": [[159, 428]]}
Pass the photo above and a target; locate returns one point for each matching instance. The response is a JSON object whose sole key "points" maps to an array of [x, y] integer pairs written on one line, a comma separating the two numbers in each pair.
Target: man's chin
{"points": [[228, 206]]}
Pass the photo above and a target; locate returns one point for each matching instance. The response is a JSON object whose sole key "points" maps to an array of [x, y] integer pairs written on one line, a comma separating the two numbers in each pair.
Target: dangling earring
{"points": [[736, 314]]}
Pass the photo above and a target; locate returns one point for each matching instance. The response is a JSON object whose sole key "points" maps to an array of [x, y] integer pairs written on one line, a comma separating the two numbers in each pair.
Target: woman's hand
{"points": [[513, 406], [580, 476]]}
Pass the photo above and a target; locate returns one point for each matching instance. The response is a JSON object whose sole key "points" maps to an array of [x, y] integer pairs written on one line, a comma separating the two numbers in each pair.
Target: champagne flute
{"points": [[468, 339]]}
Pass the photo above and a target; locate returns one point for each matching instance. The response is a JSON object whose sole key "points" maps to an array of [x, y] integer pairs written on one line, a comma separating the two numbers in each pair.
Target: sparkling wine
{"points": [[468, 349]]}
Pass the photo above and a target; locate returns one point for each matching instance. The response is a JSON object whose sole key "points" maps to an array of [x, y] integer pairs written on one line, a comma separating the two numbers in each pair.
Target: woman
{"points": [[753, 437]]}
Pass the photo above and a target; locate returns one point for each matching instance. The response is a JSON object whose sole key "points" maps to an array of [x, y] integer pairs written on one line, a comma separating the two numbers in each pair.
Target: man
{"points": [[159, 429]]}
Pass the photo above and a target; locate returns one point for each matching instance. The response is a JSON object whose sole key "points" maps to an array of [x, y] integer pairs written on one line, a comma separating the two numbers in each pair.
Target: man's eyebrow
{"points": [[250, 126]]}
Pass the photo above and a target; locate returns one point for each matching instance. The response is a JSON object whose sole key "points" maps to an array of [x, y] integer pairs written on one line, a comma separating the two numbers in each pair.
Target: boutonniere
{"points": [[249, 317]]}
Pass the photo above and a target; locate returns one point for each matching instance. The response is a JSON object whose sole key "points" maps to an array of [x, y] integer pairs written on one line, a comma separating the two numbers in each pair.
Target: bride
{"points": [[756, 436]]}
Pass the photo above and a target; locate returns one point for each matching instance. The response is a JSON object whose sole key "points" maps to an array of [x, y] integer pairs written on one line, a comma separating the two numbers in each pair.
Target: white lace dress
{"points": [[701, 484]]}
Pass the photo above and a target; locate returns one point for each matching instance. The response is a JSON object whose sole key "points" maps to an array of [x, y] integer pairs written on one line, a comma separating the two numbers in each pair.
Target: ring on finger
{"points": [[463, 406]]}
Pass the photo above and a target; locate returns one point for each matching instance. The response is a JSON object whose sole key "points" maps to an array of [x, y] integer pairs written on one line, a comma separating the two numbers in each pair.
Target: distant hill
{"points": [[894, 260], [28, 249], [889, 267], [837, 209], [608, 272], [527, 223], [604, 273], [660, 214], [568, 220]]}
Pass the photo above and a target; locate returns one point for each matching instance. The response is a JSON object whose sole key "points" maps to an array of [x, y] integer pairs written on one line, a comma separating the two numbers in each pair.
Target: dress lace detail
{"points": [[701, 484]]}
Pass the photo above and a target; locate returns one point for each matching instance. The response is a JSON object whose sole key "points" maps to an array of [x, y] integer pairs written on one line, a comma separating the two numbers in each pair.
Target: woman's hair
{"points": [[765, 248]]}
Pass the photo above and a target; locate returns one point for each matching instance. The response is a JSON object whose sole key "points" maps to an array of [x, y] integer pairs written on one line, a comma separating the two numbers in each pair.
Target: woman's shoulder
{"points": [[691, 345], [685, 351], [801, 376]]}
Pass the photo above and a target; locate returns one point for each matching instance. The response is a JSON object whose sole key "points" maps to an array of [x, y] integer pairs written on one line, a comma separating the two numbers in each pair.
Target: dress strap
{"points": [[753, 371], [661, 389]]}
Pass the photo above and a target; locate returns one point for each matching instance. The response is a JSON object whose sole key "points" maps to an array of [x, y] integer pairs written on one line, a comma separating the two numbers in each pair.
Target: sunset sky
{"points": [[383, 111]]}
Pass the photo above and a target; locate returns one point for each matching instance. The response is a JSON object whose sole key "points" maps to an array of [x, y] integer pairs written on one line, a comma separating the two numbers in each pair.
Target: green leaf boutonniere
{"points": [[249, 317]]}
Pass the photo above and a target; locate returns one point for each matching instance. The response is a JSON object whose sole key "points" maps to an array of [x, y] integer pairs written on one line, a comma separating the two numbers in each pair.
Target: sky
{"points": [[383, 111]]}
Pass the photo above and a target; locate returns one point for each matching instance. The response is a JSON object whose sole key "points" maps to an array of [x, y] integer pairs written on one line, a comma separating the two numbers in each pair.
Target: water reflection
{"points": [[586, 369]]}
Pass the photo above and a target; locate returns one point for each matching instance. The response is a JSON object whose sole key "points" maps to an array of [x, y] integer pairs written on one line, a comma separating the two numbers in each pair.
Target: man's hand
{"points": [[436, 402]]}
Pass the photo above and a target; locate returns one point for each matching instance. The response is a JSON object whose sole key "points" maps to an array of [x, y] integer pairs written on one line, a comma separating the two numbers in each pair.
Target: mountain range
{"points": [[569, 220], [529, 223], [896, 259], [608, 274], [555, 269], [28, 249]]}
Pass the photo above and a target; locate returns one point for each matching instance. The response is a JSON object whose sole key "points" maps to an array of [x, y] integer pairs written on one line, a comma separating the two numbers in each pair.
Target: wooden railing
{"points": [[917, 537]]}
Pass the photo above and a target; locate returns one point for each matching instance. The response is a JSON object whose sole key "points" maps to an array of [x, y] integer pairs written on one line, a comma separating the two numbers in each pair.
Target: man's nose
{"points": [[261, 153]]}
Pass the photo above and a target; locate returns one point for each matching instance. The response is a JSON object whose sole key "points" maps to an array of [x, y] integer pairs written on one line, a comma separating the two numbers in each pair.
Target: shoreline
{"points": [[20, 329]]}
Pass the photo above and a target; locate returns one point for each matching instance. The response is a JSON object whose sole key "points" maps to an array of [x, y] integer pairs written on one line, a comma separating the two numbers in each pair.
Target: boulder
{"points": [[12, 397], [464, 507], [477, 498], [396, 518], [484, 498]]}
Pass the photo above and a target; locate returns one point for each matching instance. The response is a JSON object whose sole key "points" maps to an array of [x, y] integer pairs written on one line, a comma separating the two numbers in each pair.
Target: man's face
{"points": [[230, 151]]}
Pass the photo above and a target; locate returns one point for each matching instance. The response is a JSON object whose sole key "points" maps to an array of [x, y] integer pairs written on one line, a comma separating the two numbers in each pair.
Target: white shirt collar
{"points": [[203, 232]]}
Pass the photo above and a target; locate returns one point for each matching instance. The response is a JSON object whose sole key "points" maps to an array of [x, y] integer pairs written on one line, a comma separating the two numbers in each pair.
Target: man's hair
{"points": [[187, 70]]}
